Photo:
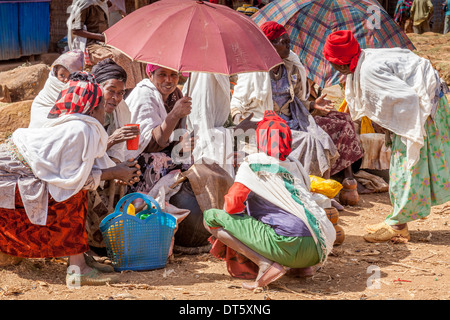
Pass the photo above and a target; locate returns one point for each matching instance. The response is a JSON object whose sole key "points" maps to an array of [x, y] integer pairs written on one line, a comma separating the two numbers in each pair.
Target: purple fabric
{"points": [[283, 222]]}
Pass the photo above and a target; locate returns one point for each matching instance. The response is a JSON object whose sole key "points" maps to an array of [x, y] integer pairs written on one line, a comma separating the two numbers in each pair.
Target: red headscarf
{"points": [[80, 95], [273, 136], [341, 48], [272, 30]]}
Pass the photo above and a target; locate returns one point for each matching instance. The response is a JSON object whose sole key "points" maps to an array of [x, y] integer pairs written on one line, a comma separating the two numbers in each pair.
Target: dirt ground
{"points": [[356, 270], [417, 270]]}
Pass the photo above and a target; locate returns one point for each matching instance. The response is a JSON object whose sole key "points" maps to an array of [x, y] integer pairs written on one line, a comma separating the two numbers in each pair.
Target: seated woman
{"points": [[111, 78], [325, 141], [160, 109], [284, 227], [60, 70], [45, 174]]}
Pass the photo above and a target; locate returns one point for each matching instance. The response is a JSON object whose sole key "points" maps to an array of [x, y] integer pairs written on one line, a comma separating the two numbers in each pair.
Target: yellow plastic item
{"points": [[131, 210], [343, 107], [366, 126], [327, 187]]}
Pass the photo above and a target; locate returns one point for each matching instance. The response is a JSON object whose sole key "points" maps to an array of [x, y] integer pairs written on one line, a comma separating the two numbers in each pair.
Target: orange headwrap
{"points": [[341, 48], [272, 30]]}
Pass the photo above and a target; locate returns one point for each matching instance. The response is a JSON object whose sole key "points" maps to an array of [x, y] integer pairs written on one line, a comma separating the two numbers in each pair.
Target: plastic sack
{"points": [[327, 187]]}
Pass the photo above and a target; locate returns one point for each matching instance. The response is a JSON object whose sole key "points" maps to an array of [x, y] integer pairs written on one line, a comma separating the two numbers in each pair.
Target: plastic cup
{"points": [[133, 144]]}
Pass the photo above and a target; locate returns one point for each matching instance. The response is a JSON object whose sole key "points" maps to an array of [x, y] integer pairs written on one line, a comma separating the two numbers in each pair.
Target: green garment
{"points": [[421, 11], [413, 192], [293, 252]]}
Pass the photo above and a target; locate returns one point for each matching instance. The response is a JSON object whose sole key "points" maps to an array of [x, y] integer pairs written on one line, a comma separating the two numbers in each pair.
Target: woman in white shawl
{"points": [[111, 78], [402, 93], [284, 227], [159, 107], [325, 140], [45, 174], [60, 70]]}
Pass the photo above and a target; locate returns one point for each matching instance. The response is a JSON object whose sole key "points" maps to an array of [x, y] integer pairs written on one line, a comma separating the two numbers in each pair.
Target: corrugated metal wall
{"points": [[9, 31], [24, 28], [34, 27]]}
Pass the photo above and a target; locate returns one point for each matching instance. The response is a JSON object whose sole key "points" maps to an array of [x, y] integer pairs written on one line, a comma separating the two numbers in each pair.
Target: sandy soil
{"points": [[417, 270]]}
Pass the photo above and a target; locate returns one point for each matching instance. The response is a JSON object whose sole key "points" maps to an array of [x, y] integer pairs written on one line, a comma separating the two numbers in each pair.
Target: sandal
{"points": [[90, 261], [92, 278], [385, 233], [371, 228], [274, 272]]}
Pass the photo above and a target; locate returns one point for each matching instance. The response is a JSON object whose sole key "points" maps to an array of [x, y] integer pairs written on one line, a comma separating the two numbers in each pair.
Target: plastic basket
{"points": [[136, 244]]}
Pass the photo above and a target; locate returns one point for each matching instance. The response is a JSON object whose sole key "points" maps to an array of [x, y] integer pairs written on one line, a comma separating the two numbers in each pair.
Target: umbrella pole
{"points": [[189, 85]]}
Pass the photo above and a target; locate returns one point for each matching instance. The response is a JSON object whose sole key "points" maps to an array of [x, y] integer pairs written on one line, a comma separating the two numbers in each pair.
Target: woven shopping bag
{"points": [[141, 241]]}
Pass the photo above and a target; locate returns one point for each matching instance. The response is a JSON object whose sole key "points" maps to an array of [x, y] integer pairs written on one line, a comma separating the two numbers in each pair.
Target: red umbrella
{"points": [[193, 36]]}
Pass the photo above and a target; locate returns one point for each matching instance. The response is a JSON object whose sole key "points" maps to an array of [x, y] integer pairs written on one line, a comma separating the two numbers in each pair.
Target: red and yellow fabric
{"points": [[63, 235]]}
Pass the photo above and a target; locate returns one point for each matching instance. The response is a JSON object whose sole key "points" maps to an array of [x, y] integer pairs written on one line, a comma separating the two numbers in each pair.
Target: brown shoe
{"points": [[92, 278], [90, 261], [371, 228], [386, 233]]}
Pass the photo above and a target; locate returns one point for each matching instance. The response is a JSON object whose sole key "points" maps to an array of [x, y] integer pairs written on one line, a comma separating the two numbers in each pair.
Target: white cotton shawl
{"points": [[63, 154], [210, 95], [147, 109], [253, 91], [121, 116], [272, 188], [74, 10], [395, 88], [44, 101]]}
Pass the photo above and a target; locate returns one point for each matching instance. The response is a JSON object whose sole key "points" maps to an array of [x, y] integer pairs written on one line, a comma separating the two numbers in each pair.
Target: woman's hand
{"points": [[123, 134], [126, 173], [182, 107], [323, 106]]}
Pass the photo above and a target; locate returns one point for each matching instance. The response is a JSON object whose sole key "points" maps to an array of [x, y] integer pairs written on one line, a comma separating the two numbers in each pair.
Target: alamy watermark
{"points": [[73, 277], [374, 21], [373, 282]]}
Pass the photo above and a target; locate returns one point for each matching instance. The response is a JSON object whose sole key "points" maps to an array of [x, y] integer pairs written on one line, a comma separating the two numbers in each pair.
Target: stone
{"points": [[25, 82]]}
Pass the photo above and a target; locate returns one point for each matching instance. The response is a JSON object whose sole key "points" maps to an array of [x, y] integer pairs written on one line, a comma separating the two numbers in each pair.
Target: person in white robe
{"points": [[401, 92], [51, 167]]}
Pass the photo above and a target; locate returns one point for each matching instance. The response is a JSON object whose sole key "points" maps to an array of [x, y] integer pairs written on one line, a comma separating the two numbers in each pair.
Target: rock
{"points": [[13, 116], [25, 82], [4, 94]]}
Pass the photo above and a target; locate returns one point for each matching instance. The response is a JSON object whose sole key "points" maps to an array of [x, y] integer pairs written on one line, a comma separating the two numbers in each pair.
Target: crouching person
{"points": [[269, 214]]}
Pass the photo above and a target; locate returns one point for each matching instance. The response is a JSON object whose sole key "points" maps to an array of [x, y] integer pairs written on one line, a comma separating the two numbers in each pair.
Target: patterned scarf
{"points": [[273, 136], [80, 95]]}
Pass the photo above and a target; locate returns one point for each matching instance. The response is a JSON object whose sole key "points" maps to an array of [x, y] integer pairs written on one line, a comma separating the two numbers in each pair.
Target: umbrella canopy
{"points": [[309, 22], [193, 36]]}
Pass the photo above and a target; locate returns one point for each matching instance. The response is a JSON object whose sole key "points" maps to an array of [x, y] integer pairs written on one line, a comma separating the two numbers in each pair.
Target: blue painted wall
{"points": [[24, 28]]}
